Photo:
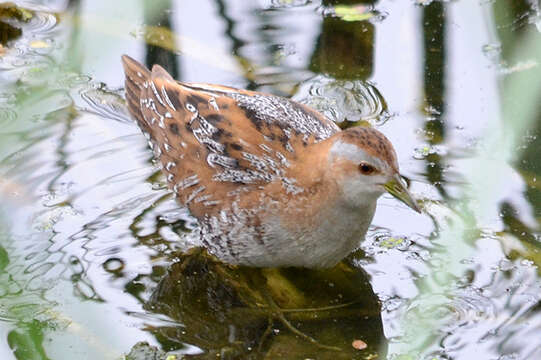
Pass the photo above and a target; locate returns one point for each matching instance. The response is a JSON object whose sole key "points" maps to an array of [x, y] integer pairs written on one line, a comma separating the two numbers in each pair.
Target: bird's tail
{"points": [[136, 74]]}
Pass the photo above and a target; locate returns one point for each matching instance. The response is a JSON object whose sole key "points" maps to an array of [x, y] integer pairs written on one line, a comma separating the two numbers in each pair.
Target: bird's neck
{"points": [[324, 195]]}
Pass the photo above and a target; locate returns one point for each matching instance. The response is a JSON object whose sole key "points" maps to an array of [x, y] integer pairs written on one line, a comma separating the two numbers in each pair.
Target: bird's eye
{"points": [[367, 169]]}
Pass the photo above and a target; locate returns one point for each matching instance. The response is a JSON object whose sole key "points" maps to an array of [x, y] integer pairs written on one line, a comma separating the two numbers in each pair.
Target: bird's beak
{"points": [[398, 188]]}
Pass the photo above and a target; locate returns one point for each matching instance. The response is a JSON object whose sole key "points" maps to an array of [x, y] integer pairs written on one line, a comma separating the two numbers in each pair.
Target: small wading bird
{"points": [[272, 182]]}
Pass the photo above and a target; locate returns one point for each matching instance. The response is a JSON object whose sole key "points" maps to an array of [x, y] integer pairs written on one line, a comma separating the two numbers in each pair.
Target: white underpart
{"points": [[331, 236], [337, 233]]}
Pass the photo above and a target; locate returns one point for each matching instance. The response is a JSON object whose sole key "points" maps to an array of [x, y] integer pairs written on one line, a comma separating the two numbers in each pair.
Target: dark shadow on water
{"points": [[251, 313], [344, 49], [434, 24]]}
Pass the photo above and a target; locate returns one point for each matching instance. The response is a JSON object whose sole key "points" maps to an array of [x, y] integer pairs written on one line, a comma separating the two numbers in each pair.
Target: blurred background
{"points": [[88, 228]]}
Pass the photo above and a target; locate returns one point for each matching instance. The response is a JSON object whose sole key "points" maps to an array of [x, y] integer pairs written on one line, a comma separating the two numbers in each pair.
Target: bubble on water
{"points": [[492, 51], [423, 151], [526, 262], [505, 265], [113, 265], [401, 243]]}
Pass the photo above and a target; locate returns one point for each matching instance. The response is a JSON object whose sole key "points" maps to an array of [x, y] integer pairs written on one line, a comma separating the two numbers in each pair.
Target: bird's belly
{"points": [[304, 245]]}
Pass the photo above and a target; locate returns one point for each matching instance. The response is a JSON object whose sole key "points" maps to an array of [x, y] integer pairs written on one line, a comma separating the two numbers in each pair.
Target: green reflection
{"points": [[521, 90], [27, 341], [514, 29], [434, 25], [344, 49]]}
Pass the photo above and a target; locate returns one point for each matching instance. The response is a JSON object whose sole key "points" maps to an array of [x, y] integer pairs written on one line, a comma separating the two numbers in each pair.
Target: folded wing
{"points": [[214, 141]]}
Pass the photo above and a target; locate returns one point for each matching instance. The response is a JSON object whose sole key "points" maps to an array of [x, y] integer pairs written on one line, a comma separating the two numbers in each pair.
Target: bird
{"points": [[272, 182]]}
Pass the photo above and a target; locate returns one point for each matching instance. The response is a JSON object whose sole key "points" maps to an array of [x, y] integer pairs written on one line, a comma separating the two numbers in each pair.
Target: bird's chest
{"points": [[314, 231], [314, 237]]}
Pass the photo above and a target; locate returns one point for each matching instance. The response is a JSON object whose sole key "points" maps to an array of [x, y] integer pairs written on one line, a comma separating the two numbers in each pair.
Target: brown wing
{"points": [[294, 119], [215, 142], [136, 76]]}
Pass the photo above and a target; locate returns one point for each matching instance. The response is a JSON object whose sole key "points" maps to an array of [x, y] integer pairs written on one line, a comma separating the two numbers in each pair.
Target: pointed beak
{"points": [[398, 188]]}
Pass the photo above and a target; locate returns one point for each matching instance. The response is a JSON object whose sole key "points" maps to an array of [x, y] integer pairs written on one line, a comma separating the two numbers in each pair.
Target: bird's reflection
{"points": [[241, 312]]}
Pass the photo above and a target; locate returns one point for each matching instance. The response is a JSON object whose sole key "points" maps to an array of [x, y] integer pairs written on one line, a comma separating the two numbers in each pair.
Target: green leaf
{"points": [[353, 13]]}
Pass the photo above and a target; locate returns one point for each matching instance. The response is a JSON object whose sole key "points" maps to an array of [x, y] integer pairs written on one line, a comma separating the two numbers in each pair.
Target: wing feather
{"points": [[215, 141]]}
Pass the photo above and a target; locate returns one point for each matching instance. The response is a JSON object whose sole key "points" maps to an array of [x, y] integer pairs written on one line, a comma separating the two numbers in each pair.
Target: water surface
{"points": [[88, 228]]}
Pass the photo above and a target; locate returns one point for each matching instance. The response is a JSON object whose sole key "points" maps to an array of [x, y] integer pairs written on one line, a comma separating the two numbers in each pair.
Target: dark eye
{"points": [[366, 169]]}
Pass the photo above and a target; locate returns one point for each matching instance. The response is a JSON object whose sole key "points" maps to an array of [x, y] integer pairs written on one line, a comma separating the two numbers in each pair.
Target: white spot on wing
{"points": [[170, 165], [202, 198], [212, 102], [166, 98], [156, 95], [225, 161], [194, 194], [188, 182]]}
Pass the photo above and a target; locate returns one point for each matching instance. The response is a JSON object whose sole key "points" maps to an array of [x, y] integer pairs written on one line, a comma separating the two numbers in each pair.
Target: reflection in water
{"points": [[8, 32], [160, 16], [344, 50], [236, 43], [92, 236], [522, 229], [241, 312], [434, 23], [514, 19]]}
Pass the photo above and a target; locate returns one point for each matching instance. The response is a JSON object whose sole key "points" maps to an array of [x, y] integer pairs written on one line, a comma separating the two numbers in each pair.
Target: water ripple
{"points": [[106, 103], [342, 100], [280, 4], [42, 22], [7, 115]]}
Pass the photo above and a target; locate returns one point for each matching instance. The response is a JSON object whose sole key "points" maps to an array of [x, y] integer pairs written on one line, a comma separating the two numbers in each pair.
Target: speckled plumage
{"points": [[254, 169]]}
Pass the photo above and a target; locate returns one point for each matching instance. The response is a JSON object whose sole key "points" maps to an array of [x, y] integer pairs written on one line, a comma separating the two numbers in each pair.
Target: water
{"points": [[90, 236]]}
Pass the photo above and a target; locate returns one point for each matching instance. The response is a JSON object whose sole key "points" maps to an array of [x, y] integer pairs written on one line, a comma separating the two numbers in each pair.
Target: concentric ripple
{"points": [[42, 22], [342, 100]]}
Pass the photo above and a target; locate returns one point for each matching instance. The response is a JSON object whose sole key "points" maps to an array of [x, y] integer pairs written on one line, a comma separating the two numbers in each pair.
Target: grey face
{"points": [[365, 187], [358, 156]]}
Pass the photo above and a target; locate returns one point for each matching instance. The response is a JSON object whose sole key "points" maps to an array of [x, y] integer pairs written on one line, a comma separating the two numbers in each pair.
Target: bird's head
{"points": [[364, 164]]}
